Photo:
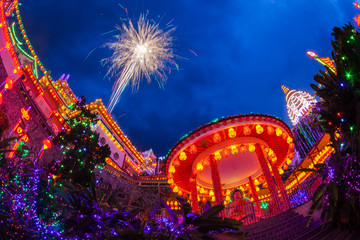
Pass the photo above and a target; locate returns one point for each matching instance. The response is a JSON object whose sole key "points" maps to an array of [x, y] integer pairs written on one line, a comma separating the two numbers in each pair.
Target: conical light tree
{"points": [[298, 103]]}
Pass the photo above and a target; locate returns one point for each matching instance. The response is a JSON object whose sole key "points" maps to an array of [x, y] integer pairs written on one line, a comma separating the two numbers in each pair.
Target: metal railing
{"points": [[297, 195]]}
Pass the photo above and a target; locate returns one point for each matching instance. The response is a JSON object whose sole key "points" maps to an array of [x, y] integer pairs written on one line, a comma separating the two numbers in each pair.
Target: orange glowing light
{"points": [[25, 114], [356, 5], [357, 19]]}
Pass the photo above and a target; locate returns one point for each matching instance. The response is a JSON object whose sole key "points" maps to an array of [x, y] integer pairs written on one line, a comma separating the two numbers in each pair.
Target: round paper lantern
{"points": [[231, 133]]}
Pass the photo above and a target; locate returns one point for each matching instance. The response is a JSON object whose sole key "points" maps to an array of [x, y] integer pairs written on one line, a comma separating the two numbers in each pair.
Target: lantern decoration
{"points": [[182, 156], [274, 159], [284, 135], [227, 192], [175, 189], [193, 149], [226, 153], [170, 181], [180, 193], [231, 133], [217, 156], [270, 130], [289, 140], [285, 167], [291, 146], [176, 163], [257, 189], [251, 147], [172, 186], [46, 144], [202, 190], [278, 132], [256, 182], [234, 150], [288, 161], [171, 169], [291, 155], [242, 188], [259, 129], [242, 149], [227, 198], [217, 137], [9, 83], [281, 171], [247, 130], [205, 162], [213, 199], [211, 193], [199, 166], [204, 200]]}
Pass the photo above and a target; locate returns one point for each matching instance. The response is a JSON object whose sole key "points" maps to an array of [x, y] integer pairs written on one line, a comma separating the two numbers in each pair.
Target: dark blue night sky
{"points": [[245, 49]]}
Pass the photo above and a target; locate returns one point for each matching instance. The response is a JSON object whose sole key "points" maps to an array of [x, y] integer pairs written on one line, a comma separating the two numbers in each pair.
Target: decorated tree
{"points": [[339, 112], [81, 150]]}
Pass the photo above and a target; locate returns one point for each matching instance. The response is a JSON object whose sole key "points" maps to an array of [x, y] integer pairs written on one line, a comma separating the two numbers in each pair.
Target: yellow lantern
{"points": [[251, 147], [227, 198], [199, 167], [231, 133], [259, 129], [234, 150], [257, 189], [288, 161], [182, 156], [256, 182], [171, 169], [289, 140], [211, 193], [281, 171], [202, 190], [170, 181], [176, 189], [217, 156], [278, 132], [213, 199]]}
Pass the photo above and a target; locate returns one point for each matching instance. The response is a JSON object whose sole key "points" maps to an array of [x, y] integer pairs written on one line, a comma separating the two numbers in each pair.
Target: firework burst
{"points": [[139, 53]]}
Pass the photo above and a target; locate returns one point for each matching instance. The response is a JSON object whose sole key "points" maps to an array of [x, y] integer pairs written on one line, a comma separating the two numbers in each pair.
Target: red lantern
{"points": [[47, 144], [285, 167], [9, 83]]}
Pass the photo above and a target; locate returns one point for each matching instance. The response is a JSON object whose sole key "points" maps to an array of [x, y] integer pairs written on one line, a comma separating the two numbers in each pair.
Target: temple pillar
{"points": [[254, 194], [216, 180], [279, 182], [194, 196], [268, 176]]}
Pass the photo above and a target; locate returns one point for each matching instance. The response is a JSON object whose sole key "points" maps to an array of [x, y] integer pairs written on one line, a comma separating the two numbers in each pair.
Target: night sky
{"points": [[245, 50]]}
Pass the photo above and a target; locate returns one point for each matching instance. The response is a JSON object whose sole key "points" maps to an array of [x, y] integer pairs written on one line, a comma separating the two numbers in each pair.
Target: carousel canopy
{"points": [[231, 141]]}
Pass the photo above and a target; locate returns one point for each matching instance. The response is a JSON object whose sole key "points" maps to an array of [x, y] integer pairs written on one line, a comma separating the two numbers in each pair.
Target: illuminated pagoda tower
{"points": [[298, 103], [311, 143]]}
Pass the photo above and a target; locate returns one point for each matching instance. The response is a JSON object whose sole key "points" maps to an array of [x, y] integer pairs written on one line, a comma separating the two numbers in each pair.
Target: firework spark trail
{"points": [[142, 52]]}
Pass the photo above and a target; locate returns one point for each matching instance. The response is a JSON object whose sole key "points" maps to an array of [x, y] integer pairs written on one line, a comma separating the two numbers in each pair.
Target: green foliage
{"points": [[81, 150], [338, 196]]}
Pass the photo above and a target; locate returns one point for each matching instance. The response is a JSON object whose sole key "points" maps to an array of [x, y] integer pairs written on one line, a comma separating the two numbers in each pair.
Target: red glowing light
{"points": [[356, 5]]}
